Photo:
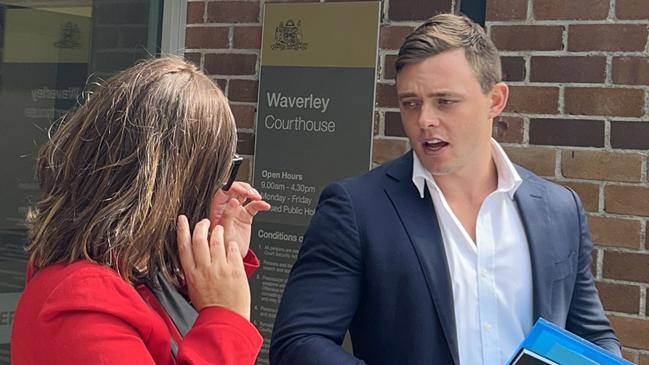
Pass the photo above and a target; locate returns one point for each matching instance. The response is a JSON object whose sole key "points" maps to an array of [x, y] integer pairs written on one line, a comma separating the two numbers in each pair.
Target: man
{"points": [[450, 253]]}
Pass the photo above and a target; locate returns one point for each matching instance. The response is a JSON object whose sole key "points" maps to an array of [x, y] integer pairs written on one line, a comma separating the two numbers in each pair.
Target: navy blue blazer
{"points": [[373, 262]]}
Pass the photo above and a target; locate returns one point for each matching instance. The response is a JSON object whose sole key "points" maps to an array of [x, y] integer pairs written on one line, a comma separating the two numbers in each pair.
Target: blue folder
{"points": [[553, 343]]}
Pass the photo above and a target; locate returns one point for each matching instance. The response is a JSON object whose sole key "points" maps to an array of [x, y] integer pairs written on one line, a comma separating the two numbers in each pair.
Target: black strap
{"points": [[181, 313]]}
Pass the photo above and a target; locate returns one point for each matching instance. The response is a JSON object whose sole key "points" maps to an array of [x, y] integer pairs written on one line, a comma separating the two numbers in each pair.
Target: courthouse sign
{"points": [[314, 125]]}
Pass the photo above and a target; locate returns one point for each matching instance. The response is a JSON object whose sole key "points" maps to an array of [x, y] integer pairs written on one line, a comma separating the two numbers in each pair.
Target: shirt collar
{"points": [[508, 178]]}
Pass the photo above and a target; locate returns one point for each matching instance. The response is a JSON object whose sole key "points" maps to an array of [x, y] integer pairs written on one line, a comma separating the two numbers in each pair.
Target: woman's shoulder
{"points": [[75, 275], [86, 286]]}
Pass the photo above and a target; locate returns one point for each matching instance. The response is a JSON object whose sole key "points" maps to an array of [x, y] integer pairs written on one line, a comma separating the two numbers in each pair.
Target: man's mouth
{"points": [[434, 144]]}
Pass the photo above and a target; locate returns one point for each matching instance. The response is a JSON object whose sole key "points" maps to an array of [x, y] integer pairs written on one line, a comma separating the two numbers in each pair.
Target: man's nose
{"points": [[428, 117]]}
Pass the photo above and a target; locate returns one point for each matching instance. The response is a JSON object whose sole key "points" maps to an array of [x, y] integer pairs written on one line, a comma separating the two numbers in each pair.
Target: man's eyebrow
{"points": [[406, 95], [437, 94]]}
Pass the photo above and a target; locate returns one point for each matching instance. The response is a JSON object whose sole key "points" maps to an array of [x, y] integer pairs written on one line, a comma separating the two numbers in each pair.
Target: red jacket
{"points": [[84, 313]]}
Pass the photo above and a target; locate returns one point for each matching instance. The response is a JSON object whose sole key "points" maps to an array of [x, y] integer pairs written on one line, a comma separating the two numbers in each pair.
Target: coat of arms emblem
{"points": [[70, 36], [289, 36]]}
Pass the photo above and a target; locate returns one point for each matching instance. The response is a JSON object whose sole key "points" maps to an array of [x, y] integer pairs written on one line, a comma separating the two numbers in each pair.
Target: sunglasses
{"points": [[236, 163]]}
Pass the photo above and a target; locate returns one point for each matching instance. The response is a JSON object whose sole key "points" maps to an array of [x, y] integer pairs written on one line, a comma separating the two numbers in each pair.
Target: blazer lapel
{"points": [[420, 221], [531, 199]]}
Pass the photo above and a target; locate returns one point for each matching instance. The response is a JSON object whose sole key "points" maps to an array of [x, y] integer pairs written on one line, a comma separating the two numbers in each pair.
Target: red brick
{"points": [[384, 150], [619, 297], [631, 200], [233, 11], [630, 355], [626, 266], [541, 161], [207, 37], [195, 12], [508, 129], [506, 10], [631, 70], [246, 143], [230, 64], [644, 358], [630, 135], [615, 232], [243, 90], [391, 37], [567, 132], [588, 193], [417, 9], [594, 254], [587, 69], [244, 115], [513, 68], [632, 9], [221, 83], [389, 71], [386, 96], [632, 332], [247, 37], [598, 165], [569, 10], [607, 37], [393, 126], [604, 101], [527, 37], [533, 99], [193, 57]]}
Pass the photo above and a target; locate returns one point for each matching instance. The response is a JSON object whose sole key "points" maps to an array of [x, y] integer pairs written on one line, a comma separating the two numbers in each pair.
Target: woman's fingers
{"points": [[234, 256], [217, 246], [183, 240], [200, 247], [243, 191], [213, 269], [257, 206]]}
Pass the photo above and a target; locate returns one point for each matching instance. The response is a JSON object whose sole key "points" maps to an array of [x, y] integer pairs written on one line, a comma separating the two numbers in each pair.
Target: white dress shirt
{"points": [[491, 278]]}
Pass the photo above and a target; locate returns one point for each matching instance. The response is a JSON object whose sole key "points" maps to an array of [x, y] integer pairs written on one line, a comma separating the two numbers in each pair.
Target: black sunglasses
{"points": [[236, 163]]}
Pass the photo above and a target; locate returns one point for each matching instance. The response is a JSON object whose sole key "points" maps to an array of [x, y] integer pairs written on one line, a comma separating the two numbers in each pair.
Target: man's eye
{"points": [[446, 101], [409, 104]]}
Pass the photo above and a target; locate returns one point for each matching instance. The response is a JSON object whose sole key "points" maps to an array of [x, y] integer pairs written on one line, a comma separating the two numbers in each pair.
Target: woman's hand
{"points": [[234, 210], [213, 269]]}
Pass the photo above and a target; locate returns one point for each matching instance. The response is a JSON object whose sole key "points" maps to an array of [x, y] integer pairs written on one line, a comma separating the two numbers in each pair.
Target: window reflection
{"points": [[49, 51]]}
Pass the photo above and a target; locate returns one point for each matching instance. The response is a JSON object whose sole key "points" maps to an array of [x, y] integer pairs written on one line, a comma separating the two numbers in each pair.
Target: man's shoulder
{"points": [[369, 187], [378, 174], [551, 188]]}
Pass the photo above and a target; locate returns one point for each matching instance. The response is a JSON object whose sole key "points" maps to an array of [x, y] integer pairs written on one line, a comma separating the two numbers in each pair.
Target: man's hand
{"points": [[234, 210]]}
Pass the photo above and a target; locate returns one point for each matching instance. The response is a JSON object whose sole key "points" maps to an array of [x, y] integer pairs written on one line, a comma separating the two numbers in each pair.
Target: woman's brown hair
{"points": [[152, 142]]}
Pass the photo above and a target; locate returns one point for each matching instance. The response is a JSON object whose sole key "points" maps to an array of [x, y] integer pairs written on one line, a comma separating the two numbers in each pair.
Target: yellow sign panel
{"points": [[37, 36], [313, 35]]}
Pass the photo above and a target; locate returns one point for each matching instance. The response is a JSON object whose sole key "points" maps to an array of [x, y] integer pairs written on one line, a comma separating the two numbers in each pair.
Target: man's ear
{"points": [[498, 99]]}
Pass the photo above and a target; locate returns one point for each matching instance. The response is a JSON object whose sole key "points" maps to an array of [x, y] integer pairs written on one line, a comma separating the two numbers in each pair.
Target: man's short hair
{"points": [[445, 32]]}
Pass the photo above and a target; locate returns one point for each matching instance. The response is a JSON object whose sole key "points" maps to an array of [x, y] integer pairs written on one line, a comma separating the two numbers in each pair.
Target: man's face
{"points": [[445, 114]]}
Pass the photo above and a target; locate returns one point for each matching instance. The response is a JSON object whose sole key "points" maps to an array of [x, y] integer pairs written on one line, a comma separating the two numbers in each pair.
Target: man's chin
{"points": [[439, 170]]}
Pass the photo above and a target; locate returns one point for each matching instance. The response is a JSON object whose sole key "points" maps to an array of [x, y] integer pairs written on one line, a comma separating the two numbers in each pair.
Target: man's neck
{"points": [[471, 184], [466, 190]]}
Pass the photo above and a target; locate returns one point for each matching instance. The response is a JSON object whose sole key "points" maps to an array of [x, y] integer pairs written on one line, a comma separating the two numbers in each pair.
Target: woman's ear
{"points": [[498, 99]]}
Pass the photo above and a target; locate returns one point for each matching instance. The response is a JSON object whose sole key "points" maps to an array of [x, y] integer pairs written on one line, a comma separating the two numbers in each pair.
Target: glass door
{"points": [[50, 50]]}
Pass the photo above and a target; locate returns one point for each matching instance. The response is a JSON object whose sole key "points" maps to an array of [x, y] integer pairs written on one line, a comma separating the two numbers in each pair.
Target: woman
{"points": [[112, 258]]}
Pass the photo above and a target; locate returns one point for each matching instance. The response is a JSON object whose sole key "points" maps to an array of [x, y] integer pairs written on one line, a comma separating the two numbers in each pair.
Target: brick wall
{"points": [[578, 71]]}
